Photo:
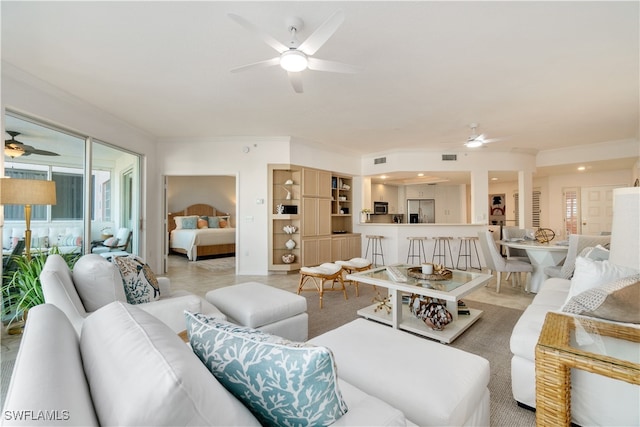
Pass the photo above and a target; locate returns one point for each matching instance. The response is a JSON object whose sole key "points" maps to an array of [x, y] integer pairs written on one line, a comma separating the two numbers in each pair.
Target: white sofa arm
{"points": [[165, 285]]}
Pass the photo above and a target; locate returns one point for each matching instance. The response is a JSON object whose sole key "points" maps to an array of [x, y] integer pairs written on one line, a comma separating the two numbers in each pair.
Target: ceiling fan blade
{"points": [[322, 33], [260, 64], [268, 39], [296, 81], [40, 152], [332, 66]]}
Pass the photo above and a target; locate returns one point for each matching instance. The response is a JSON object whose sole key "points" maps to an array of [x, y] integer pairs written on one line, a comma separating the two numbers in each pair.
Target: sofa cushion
{"points": [[141, 373], [618, 301], [140, 282], [97, 281], [590, 273], [282, 383]]}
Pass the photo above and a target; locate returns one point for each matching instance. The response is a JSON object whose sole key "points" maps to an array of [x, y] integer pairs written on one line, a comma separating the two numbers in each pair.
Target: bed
{"points": [[200, 242]]}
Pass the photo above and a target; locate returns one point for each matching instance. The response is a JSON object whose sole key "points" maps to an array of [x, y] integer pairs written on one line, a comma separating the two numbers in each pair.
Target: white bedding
{"points": [[189, 240]]}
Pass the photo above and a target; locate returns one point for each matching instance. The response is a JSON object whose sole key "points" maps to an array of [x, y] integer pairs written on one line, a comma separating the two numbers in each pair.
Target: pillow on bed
{"points": [[223, 223], [190, 223], [180, 220], [203, 223], [214, 222]]}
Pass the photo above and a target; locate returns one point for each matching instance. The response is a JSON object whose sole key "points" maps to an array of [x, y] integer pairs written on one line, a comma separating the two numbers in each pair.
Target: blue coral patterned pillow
{"points": [[139, 281], [190, 223], [282, 383]]}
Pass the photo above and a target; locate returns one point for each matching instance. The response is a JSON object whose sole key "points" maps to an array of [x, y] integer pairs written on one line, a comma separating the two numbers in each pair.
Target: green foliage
{"points": [[21, 288]]}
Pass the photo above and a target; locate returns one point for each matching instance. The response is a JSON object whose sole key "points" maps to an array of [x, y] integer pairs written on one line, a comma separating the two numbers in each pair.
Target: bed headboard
{"points": [[199, 209]]}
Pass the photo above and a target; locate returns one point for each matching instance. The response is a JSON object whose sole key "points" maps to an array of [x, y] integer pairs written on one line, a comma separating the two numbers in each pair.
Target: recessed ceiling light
{"points": [[383, 176], [494, 179], [581, 168], [420, 174]]}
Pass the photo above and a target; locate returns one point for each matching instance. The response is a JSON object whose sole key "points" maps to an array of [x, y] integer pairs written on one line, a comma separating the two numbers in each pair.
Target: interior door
{"points": [[596, 209]]}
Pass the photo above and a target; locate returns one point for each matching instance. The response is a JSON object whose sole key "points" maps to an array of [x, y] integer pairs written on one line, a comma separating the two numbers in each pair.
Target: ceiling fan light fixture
{"points": [[294, 61], [474, 143], [13, 152]]}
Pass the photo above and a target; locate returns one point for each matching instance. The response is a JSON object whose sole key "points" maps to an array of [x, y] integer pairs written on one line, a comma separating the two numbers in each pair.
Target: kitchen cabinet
{"points": [[316, 250], [316, 183], [346, 247]]}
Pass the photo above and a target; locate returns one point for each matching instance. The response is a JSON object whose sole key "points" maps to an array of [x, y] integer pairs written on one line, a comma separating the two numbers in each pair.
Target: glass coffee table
{"points": [[391, 311]]}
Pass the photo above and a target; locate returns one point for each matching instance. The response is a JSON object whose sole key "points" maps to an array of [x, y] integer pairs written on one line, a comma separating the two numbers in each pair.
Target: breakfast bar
{"points": [[395, 243]]}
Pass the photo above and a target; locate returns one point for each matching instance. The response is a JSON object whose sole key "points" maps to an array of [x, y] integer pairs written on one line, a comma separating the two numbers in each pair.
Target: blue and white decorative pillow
{"points": [[140, 283], [282, 383]]}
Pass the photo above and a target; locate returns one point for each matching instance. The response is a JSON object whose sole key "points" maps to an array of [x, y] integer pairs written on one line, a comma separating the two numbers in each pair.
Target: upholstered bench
{"points": [[263, 307], [433, 384]]}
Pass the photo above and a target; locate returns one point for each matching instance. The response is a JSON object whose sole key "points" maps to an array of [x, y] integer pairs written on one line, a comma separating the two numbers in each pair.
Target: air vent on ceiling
{"points": [[449, 157], [379, 160]]}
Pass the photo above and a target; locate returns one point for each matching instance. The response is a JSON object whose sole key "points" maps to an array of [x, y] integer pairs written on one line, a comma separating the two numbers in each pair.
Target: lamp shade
{"points": [[15, 191]]}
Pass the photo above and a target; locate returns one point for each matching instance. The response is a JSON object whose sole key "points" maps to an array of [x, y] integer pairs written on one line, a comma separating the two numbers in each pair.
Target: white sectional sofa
{"points": [[66, 239], [122, 365]]}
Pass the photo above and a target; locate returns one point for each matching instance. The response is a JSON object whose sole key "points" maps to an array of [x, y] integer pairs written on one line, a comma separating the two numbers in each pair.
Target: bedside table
{"points": [[556, 355]]}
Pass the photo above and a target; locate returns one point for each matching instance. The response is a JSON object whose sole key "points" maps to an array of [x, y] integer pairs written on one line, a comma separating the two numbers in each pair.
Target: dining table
{"points": [[541, 255]]}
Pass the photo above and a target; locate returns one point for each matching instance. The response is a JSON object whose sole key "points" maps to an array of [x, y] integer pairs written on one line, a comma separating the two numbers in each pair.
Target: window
{"points": [[535, 209], [106, 200], [69, 196], [571, 211]]}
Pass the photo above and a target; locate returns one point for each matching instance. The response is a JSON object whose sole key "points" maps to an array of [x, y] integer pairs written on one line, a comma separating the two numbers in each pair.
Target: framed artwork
{"points": [[497, 212]]}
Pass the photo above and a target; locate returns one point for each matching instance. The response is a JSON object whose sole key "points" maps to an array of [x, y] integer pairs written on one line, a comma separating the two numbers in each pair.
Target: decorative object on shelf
{"points": [[439, 273], [432, 311], [290, 244], [279, 208], [289, 229], [544, 235], [288, 197], [288, 182], [346, 187], [288, 258]]}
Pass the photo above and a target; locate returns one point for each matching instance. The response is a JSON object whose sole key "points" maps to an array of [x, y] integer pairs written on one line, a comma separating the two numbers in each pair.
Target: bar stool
{"points": [[466, 253], [441, 247], [416, 249], [376, 249]]}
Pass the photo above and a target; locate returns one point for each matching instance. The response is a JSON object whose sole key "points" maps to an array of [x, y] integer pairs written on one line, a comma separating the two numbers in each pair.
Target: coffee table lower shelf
{"points": [[411, 323]]}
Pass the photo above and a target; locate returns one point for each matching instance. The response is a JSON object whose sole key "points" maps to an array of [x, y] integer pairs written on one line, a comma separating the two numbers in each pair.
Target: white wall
{"points": [[217, 191]]}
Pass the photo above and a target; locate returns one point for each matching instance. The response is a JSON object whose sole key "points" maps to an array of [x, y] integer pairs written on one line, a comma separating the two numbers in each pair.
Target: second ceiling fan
{"points": [[298, 57], [14, 148]]}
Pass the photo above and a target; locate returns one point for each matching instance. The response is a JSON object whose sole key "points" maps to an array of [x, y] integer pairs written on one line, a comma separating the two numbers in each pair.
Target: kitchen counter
{"points": [[396, 246]]}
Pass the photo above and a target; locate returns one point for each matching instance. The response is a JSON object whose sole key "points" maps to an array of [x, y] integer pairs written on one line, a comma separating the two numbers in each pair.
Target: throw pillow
{"points": [[190, 223], [281, 383], [97, 281], [140, 283], [599, 253], [214, 222], [590, 273], [618, 301], [69, 240], [110, 242], [223, 223], [203, 223]]}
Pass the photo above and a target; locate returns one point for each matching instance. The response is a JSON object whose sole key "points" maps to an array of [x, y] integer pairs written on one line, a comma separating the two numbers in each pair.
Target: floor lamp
{"points": [[27, 192]]}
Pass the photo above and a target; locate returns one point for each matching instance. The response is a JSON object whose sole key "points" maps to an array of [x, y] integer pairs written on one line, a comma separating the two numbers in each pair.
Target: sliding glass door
{"points": [[97, 186]]}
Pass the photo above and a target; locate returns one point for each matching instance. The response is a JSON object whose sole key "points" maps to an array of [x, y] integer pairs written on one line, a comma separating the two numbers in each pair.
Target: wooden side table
{"points": [[556, 356]]}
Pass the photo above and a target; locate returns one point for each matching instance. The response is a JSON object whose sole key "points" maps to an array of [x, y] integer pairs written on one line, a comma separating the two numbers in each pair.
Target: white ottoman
{"points": [[263, 307], [433, 384]]}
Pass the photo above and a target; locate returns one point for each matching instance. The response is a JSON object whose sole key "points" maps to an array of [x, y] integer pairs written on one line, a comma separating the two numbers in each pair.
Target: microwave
{"points": [[380, 208]]}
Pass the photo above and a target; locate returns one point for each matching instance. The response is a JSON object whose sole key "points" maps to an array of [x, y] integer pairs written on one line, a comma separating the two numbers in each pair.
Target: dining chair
{"points": [[515, 233], [495, 261], [577, 243]]}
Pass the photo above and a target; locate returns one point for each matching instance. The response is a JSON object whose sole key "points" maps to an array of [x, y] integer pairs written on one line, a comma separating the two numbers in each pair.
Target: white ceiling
{"points": [[537, 75]]}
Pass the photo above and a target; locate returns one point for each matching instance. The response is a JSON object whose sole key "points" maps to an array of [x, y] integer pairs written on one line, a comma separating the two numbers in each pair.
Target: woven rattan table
{"points": [[556, 356]]}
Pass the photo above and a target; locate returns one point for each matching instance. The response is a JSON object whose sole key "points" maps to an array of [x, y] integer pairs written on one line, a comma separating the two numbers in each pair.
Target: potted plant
{"points": [[21, 288]]}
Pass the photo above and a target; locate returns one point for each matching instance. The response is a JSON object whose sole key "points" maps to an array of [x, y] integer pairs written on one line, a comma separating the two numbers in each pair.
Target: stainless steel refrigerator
{"points": [[421, 211]]}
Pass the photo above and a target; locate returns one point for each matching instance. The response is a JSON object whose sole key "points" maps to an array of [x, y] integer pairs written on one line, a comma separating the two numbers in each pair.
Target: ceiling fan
{"points": [[14, 148], [297, 57], [476, 140]]}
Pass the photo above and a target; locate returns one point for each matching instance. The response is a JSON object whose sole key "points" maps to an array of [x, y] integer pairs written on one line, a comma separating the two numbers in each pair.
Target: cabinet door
{"points": [[324, 184], [324, 217], [338, 249], [353, 247], [309, 217], [324, 250], [310, 182]]}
